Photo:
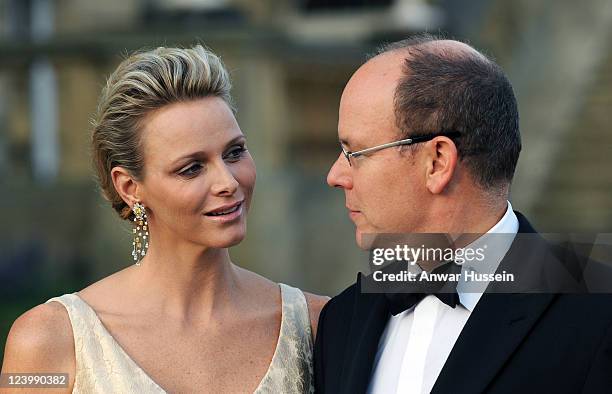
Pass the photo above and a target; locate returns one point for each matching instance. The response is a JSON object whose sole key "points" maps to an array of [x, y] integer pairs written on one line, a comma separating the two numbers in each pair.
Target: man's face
{"points": [[384, 190]]}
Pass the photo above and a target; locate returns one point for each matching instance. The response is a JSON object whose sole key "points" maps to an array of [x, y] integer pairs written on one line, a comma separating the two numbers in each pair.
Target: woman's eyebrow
{"points": [[200, 154], [240, 138], [193, 155]]}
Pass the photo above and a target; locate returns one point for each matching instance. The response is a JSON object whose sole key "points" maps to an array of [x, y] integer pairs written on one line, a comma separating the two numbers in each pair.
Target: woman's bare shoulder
{"points": [[41, 340], [258, 285], [107, 291], [315, 305], [315, 302]]}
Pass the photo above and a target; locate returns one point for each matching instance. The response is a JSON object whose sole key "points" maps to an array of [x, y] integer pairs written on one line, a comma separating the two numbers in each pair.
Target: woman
{"points": [[171, 158]]}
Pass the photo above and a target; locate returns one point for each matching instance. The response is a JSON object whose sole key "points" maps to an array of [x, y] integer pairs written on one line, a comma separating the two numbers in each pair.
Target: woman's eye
{"points": [[236, 153], [191, 170]]}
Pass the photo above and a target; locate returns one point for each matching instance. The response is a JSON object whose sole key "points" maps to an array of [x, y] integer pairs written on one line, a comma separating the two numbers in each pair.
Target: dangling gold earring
{"points": [[141, 233]]}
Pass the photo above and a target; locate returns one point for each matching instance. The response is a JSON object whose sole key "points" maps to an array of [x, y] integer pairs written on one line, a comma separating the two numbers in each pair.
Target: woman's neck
{"points": [[186, 282]]}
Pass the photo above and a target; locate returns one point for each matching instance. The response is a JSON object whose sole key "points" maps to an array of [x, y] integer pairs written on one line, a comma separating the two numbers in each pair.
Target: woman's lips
{"points": [[234, 214]]}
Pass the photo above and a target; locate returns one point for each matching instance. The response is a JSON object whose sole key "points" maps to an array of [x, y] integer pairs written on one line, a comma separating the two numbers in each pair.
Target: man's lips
{"points": [[353, 213]]}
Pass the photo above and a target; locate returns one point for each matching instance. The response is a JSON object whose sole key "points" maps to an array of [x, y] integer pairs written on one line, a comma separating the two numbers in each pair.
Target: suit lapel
{"points": [[496, 327], [368, 322]]}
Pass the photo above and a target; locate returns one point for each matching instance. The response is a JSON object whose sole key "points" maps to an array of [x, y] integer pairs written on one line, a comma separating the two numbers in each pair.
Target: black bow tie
{"points": [[413, 293], [400, 302]]}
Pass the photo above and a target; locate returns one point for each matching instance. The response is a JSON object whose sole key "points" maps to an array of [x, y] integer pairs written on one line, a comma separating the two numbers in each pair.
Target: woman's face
{"points": [[198, 176]]}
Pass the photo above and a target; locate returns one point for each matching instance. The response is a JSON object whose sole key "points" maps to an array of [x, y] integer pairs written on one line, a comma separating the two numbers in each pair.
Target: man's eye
{"points": [[236, 153], [191, 170]]}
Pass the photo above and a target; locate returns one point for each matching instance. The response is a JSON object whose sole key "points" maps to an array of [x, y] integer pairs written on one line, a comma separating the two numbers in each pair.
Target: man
{"points": [[453, 177]]}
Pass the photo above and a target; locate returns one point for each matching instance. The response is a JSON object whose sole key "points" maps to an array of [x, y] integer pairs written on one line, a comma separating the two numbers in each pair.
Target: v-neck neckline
{"points": [[140, 370]]}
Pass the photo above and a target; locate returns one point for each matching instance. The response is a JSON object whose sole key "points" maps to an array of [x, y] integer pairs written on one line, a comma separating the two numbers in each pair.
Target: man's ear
{"points": [[126, 185], [442, 159]]}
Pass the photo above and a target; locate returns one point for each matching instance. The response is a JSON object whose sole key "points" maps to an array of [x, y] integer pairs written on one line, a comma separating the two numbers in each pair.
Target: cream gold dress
{"points": [[102, 366]]}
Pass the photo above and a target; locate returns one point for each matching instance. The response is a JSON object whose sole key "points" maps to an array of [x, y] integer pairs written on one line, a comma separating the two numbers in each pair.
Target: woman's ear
{"points": [[443, 158], [126, 185]]}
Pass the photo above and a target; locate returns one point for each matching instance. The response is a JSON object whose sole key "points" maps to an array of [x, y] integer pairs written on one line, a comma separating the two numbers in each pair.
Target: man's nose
{"points": [[338, 175]]}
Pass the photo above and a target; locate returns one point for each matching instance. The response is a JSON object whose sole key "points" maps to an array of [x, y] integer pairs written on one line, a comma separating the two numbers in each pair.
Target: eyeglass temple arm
{"points": [[407, 141], [428, 137]]}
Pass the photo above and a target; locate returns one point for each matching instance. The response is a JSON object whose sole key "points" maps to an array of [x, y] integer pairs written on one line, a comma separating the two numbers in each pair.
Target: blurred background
{"points": [[289, 60]]}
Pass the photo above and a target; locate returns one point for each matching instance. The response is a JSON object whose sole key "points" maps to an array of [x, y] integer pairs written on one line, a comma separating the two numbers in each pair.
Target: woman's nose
{"points": [[224, 182]]}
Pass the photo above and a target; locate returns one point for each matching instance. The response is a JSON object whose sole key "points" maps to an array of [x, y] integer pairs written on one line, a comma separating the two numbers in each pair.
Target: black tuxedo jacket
{"points": [[512, 343]]}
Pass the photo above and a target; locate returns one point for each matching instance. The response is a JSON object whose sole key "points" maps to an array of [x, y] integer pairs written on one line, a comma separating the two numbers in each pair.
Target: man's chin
{"points": [[364, 240]]}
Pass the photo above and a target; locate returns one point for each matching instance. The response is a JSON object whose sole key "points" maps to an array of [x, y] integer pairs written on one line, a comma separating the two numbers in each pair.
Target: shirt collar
{"points": [[508, 224]]}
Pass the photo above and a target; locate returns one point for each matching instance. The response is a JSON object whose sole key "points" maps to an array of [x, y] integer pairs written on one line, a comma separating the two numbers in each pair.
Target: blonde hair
{"points": [[143, 82]]}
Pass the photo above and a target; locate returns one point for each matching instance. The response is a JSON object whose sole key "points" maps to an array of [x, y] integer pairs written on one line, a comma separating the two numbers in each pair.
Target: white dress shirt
{"points": [[409, 360]]}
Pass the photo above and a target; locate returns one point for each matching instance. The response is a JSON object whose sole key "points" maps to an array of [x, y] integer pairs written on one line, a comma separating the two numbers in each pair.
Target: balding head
{"points": [[370, 92], [445, 85], [444, 48]]}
